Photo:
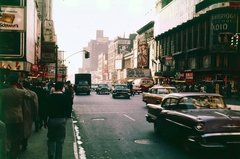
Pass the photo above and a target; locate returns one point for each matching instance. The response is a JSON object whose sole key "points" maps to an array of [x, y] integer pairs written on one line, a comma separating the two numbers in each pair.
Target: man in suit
{"points": [[30, 113], [11, 113]]}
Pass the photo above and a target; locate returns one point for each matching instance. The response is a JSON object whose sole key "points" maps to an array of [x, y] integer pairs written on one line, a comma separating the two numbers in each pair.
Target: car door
{"points": [[168, 115]]}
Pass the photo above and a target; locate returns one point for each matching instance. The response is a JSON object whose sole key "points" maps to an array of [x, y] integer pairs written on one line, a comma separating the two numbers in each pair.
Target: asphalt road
{"points": [[108, 128]]}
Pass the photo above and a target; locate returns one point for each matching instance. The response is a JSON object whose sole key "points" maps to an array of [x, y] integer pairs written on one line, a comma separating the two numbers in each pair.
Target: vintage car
{"points": [[136, 89], [103, 89], [156, 93], [94, 86], [198, 120], [121, 90]]}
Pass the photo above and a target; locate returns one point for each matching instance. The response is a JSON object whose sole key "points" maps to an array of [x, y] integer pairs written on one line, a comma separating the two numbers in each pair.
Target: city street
{"points": [[117, 128]]}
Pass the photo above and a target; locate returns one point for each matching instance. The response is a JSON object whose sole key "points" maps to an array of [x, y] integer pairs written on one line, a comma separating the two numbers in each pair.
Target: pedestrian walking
{"points": [[42, 96], [55, 121], [30, 112], [11, 114], [69, 92]]}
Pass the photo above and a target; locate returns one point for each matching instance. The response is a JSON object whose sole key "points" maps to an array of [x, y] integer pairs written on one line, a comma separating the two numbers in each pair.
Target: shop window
{"points": [[192, 63], [207, 61]]}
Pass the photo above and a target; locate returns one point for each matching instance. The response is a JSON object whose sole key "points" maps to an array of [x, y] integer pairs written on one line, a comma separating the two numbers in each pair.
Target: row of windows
{"points": [[188, 38]]}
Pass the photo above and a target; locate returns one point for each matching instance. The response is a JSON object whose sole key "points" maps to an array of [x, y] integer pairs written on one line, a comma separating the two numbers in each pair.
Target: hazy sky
{"points": [[76, 22]]}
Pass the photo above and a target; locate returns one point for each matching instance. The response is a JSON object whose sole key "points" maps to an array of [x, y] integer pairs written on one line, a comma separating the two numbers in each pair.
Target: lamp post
{"points": [[56, 63]]}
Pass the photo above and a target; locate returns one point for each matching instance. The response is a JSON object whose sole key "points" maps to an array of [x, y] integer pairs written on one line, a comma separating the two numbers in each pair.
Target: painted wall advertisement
{"points": [[223, 27], [142, 58], [12, 18]]}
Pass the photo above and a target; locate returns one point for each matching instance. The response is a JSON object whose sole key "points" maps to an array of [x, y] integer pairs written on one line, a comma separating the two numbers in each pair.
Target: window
{"points": [[192, 63], [206, 61]]}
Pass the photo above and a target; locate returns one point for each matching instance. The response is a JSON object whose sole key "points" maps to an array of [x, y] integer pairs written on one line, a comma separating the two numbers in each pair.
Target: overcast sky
{"points": [[76, 22]]}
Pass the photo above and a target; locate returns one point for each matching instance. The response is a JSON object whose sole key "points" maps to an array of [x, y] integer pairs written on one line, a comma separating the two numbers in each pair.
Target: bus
{"points": [[144, 83]]}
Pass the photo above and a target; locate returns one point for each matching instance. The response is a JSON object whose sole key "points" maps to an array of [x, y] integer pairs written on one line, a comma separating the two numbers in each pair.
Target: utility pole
{"points": [[56, 63]]}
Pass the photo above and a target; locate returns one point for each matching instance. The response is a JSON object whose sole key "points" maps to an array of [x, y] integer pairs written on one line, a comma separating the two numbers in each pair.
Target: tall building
{"points": [[95, 47]]}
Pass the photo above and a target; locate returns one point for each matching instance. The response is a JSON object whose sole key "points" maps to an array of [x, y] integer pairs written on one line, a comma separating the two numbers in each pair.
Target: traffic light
{"points": [[87, 54], [233, 40], [236, 40]]}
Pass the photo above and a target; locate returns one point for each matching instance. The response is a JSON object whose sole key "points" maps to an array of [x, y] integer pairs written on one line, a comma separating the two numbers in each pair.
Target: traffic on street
{"points": [[117, 128]]}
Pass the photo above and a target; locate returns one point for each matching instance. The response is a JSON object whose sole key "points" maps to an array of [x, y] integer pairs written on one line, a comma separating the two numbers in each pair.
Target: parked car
{"points": [[103, 89], [198, 120], [121, 90], [156, 93]]}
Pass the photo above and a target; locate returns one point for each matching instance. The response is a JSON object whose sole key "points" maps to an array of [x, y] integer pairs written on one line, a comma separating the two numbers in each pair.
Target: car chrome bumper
{"points": [[150, 118], [216, 140]]}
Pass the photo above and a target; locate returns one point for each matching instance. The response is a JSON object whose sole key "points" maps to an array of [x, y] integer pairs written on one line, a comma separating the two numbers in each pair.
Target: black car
{"points": [[103, 89], [121, 90], [199, 120]]}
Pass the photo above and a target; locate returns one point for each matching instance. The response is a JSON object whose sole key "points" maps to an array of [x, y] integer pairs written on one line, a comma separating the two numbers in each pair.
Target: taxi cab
{"points": [[156, 93]]}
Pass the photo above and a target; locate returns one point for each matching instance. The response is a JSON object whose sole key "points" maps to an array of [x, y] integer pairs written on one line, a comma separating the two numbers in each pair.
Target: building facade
{"points": [[196, 47], [20, 32]]}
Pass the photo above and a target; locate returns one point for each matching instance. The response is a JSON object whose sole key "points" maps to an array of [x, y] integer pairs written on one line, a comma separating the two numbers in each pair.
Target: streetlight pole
{"points": [[56, 63]]}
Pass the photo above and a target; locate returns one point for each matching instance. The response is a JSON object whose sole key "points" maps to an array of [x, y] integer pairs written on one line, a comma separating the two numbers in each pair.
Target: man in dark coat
{"points": [[42, 96], [55, 120]]}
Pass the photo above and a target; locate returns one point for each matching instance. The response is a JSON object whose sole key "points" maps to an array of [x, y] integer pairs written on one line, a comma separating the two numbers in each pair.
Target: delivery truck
{"points": [[82, 83]]}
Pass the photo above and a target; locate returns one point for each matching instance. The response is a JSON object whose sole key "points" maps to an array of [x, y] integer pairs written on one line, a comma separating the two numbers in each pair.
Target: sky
{"points": [[76, 23]]}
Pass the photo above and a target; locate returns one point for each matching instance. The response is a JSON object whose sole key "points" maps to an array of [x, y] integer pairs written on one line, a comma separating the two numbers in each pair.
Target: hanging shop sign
{"points": [[15, 65]]}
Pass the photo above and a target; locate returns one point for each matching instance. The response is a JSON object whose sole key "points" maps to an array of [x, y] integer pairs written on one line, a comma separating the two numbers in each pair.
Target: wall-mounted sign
{"points": [[10, 44], [12, 65], [13, 18], [48, 57]]}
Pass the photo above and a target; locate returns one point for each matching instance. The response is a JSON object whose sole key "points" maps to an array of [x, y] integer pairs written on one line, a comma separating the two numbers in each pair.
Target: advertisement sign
{"points": [[142, 58], [136, 73], [124, 49], [12, 18], [223, 26], [48, 57], [10, 44], [12, 65]]}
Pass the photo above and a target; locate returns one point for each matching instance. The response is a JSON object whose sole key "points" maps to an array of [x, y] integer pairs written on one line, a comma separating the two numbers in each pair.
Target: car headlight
{"points": [[200, 127]]}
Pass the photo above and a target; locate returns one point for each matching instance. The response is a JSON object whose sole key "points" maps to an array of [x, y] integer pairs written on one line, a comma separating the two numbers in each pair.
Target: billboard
{"points": [[11, 44], [13, 18], [223, 27], [136, 73], [143, 55]]}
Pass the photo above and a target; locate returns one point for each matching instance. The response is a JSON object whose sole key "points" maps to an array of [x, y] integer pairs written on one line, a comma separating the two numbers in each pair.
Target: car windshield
{"points": [[202, 102], [103, 85], [120, 87], [166, 90]]}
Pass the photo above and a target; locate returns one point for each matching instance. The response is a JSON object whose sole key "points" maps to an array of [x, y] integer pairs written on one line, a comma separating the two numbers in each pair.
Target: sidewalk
{"points": [[37, 144]]}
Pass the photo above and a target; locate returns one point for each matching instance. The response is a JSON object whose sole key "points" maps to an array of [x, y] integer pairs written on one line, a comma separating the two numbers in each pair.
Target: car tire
{"points": [[186, 146], [113, 96], [156, 128]]}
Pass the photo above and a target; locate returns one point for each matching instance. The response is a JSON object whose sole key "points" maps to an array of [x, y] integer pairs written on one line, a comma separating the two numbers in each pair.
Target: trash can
{"points": [[2, 140]]}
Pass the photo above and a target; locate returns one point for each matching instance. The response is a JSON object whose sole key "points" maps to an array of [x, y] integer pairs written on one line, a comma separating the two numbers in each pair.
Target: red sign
{"points": [[234, 4], [169, 58]]}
